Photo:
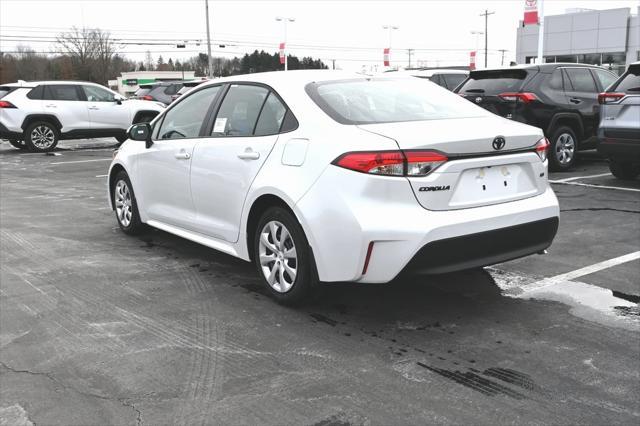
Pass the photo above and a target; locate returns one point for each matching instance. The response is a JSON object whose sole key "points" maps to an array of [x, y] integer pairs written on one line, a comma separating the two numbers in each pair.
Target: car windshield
{"points": [[494, 82], [386, 100]]}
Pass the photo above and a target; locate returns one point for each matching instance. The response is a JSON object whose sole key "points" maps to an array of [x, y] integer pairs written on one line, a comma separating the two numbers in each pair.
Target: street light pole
{"points": [[486, 34], [210, 59], [284, 21]]}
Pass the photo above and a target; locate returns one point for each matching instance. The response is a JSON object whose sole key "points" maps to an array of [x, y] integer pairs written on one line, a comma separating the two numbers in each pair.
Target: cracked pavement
{"points": [[97, 327]]}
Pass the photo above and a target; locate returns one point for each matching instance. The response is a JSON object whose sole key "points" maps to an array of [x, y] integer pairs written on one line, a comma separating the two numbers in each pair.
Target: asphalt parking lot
{"points": [[97, 327]]}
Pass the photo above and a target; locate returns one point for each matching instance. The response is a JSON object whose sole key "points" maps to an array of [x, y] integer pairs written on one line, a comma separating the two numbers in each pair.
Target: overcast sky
{"points": [[348, 31]]}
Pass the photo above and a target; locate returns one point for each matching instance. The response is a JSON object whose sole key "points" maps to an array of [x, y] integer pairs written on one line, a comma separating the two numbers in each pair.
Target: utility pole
{"points": [[486, 34], [410, 51], [502, 60], [206, 6], [334, 63]]}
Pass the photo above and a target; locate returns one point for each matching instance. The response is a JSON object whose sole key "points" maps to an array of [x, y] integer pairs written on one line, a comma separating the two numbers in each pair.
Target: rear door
{"points": [[582, 96], [484, 87], [621, 117], [104, 111], [225, 164], [66, 102]]}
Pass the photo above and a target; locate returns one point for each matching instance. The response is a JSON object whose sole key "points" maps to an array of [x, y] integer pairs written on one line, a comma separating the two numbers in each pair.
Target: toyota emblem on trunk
{"points": [[499, 143]]}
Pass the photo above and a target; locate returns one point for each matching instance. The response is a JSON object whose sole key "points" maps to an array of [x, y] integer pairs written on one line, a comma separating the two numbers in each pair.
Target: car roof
{"points": [[302, 77], [543, 67]]}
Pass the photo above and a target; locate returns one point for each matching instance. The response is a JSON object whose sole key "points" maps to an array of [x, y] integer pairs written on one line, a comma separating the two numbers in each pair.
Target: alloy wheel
{"points": [[124, 209], [565, 148], [278, 257], [43, 137]]}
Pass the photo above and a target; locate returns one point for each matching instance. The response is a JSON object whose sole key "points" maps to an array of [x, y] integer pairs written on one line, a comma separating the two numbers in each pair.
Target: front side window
{"points": [[61, 92], [98, 94], [371, 100], [239, 111], [581, 80], [185, 119]]}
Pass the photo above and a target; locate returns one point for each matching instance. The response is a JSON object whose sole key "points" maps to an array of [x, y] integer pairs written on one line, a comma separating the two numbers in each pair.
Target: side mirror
{"points": [[119, 100], [141, 132]]}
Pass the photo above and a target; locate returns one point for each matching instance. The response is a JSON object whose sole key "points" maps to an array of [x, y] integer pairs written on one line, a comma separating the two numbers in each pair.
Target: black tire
{"points": [[305, 283], [624, 170], [133, 225], [16, 143], [561, 157], [41, 136]]}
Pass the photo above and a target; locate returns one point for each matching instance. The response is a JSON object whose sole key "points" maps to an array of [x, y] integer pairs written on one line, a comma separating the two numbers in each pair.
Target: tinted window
{"points": [[271, 116], [185, 119], [239, 111], [606, 78], [36, 93], [61, 92], [383, 100], [142, 91], [98, 94], [581, 80], [453, 80], [556, 82], [437, 80], [172, 89], [494, 82], [630, 82]]}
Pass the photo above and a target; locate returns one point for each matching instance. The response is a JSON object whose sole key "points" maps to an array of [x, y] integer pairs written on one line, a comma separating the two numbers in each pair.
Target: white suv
{"points": [[36, 115]]}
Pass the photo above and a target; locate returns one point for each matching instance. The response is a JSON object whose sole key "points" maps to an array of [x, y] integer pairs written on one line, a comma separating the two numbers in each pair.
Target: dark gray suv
{"points": [[619, 130], [160, 91]]}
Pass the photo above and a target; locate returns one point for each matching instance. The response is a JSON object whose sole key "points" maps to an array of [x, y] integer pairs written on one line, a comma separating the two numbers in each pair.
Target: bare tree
{"points": [[90, 50]]}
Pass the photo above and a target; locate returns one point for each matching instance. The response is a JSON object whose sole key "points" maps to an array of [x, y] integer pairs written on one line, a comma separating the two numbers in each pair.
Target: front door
{"points": [[163, 170], [67, 101], [105, 112], [242, 136]]}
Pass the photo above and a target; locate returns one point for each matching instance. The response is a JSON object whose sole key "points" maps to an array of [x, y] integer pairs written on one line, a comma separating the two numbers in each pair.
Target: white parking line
{"points": [[580, 177], [101, 176], [582, 271], [81, 161], [558, 182]]}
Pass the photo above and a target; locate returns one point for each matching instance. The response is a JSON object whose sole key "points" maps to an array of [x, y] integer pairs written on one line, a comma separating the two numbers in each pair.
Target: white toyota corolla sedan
{"points": [[324, 176]]}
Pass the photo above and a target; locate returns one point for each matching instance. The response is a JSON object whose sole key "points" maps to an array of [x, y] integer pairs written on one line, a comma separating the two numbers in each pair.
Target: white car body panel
{"points": [[209, 197]]}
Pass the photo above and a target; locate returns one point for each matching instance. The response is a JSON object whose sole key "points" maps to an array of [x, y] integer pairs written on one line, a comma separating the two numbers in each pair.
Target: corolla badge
{"points": [[499, 142]]}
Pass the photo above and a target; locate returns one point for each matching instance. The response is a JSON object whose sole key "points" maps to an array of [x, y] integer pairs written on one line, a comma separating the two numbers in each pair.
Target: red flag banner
{"points": [[282, 53], [385, 56], [472, 60], [530, 12]]}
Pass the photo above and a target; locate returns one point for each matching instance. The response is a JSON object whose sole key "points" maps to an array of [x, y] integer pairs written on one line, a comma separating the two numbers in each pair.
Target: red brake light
{"points": [[147, 98], [6, 104], [525, 97], [542, 147], [392, 163], [605, 97]]}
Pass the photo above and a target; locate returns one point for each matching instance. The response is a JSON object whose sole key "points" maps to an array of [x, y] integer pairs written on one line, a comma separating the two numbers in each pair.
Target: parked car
{"points": [[560, 99], [321, 178], [158, 92], [36, 115], [619, 130], [188, 85]]}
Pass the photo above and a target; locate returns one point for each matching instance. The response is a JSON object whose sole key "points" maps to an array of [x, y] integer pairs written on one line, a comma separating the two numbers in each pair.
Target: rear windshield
{"points": [[142, 91], [630, 82], [494, 82], [5, 90], [387, 100]]}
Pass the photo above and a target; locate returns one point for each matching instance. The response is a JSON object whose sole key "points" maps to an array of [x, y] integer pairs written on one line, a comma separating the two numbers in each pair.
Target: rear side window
{"points": [[606, 78], [630, 83], [36, 93], [494, 82], [61, 92], [239, 111], [556, 81], [453, 80], [581, 80], [4, 91], [271, 117]]}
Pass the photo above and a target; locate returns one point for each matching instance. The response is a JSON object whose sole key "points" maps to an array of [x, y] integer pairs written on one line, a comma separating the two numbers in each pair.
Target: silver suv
{"points": [[619, 130]]}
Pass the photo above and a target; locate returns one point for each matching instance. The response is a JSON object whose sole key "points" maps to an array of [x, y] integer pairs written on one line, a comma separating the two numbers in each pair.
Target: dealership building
{"points": [[129, 82], [610, 38]]}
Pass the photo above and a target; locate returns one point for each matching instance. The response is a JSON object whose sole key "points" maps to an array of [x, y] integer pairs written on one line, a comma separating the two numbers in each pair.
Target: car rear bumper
{"points": [[8, 134], [619, 143]]}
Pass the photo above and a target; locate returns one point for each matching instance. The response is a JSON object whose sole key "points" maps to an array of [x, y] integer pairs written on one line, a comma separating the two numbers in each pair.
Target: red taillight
{"points": [[147, 98], [542, 147], [605, 98], [367, 258], [525, 97], [392, 163], [6, 104]]}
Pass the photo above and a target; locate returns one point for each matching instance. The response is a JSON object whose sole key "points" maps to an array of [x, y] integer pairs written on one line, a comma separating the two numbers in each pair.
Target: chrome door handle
{"points": [[51, 106], [183, 155], [249, 154], [93, 107]]}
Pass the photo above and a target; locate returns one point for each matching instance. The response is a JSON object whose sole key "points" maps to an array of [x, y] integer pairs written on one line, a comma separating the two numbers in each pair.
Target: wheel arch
{"points": [[113, 172], [572, 120], [258, 207], [44, 117]]}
